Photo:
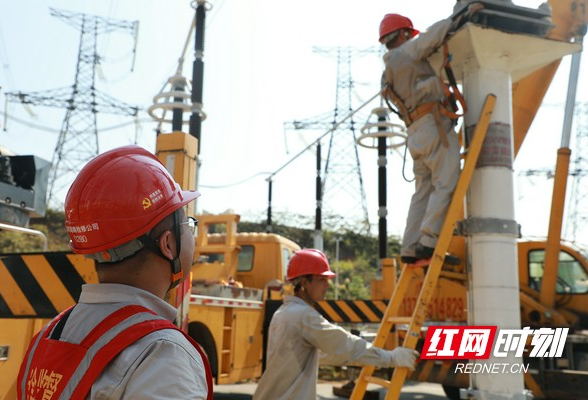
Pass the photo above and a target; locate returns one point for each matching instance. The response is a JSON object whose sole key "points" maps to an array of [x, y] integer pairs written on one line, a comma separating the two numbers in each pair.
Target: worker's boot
{"points": [[427, 252], [408, 259]]}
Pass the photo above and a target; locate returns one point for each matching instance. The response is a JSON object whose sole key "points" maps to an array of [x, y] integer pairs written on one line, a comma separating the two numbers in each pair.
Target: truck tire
{"points": [[200, 333], [452, 392]]}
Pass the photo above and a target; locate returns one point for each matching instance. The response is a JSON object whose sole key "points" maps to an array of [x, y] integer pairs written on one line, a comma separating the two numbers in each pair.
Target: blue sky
{"points": [[260, 71]]}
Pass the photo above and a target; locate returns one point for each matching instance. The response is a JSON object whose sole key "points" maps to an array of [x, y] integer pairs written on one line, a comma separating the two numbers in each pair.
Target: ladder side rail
{"points": [[384, 330]]}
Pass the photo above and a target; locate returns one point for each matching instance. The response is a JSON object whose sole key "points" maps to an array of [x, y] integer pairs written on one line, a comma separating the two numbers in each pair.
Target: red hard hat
{"points": [[393, 22], [119, 196], [308, 262]]}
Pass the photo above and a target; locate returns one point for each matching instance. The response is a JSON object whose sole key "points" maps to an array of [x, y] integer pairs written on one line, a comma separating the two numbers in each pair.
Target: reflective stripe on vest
{"points": [[61, 370]]}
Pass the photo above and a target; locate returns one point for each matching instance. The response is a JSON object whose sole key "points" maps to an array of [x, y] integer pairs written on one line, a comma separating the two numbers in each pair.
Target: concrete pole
{"points": [[492, 243]]}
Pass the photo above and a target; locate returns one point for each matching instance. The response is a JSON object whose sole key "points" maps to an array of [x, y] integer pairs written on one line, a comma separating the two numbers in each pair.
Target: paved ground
{"points": [[410, 391]]}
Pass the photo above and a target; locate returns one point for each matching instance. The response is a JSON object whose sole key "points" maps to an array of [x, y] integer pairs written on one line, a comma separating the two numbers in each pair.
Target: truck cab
{"points": [[231, 278], [571, 289]]}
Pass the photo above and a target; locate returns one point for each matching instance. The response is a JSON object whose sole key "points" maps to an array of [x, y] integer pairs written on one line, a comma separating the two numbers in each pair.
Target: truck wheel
{"points": [[200, 333], [452, 392]]}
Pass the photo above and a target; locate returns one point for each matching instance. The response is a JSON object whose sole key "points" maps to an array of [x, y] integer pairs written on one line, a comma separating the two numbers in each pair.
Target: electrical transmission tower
{"points": [[343, 195], [78, 139], [578, 211]]}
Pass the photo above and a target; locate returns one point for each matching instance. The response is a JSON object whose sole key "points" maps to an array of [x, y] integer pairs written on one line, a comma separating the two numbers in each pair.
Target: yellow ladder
{"points": [[415, 322]]}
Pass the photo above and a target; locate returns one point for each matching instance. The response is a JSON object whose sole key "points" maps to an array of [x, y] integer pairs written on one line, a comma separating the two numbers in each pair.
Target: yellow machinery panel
{"points": [[178, 152], [231, 337]]}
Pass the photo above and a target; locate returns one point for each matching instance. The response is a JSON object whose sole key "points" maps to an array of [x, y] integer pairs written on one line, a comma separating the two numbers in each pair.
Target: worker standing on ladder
{"points": [[125, 211], [427, 106], [297, 332]]}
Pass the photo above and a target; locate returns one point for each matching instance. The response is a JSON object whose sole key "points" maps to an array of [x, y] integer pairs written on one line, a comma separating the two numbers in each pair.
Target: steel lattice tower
{"points": [[78, 138], [578, 212], [343, 196]]}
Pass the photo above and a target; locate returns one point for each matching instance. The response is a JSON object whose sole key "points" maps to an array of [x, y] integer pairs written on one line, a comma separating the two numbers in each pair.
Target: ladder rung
{"points": [[378, 381], [400, 320]]}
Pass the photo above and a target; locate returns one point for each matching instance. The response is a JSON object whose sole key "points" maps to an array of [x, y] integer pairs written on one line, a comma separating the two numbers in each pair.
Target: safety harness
{"points": [[53, 369], [448, 107]]}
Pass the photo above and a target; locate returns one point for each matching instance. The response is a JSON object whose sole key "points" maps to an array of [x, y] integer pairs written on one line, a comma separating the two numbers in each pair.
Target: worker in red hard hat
{"points": [[124, 211], [298, 332], [426, 104]]}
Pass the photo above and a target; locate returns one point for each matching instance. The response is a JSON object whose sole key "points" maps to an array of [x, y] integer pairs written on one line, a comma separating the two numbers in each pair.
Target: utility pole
{"points": [[78, 139]]}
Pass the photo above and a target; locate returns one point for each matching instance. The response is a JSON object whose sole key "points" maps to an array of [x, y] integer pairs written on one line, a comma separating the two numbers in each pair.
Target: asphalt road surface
{"points": [[410, 391]]}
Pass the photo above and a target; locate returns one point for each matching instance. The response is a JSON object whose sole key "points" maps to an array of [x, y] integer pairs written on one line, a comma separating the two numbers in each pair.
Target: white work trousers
{"points": [[436, 169]]}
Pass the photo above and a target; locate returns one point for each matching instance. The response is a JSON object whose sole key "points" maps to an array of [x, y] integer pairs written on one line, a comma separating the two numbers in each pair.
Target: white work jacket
{"points": [[161, 365], [408, 69], [297, 332]]}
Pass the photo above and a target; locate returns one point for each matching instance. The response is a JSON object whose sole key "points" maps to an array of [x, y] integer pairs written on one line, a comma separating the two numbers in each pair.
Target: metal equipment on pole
{"points": [[318, 217], [385, 136], [198, 74], [268, 226], [382, 191]]}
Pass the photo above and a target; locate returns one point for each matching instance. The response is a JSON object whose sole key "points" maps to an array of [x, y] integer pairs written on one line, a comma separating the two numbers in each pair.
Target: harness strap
{"points": [[447, 108], [110, 350], [453, 96], [110, 322], [122, 341], [422, 110], [439, 123], [389, 94]]}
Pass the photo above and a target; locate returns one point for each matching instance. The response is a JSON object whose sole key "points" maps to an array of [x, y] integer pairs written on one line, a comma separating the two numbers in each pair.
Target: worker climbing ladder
{"points": [[417, 320]]}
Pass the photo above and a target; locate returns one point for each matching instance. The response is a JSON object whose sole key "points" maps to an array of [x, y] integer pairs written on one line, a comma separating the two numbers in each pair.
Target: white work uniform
{"points": [[161, 365], [436, 168], [297, 332]]}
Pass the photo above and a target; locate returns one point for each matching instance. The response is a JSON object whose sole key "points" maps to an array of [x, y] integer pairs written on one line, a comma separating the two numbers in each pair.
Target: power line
{"points": [[235, 183]]}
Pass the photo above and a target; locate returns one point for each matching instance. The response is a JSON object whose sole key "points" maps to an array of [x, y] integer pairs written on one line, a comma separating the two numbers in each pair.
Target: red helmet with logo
{"points": [[308, 262], [393, 22], [119, 196]]}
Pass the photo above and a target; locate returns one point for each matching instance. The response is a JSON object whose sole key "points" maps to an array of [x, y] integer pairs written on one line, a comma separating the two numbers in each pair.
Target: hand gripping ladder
{"points": [[415, 322]]}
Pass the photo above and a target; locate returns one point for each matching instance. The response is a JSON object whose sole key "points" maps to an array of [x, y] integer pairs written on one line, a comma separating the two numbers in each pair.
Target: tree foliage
{"points": [[53, 227]]}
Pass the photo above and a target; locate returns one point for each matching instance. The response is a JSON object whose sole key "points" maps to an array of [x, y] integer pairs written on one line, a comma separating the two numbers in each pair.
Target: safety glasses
{"points": [[192, 224]]}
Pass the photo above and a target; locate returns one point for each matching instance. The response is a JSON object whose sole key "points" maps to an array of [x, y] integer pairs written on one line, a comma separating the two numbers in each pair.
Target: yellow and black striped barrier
{"points": [[352, 310], [40, 285]]}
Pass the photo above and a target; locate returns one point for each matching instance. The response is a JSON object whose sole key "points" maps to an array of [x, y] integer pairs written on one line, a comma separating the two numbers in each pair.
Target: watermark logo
{"points": [[477, 342], [460, 342]]}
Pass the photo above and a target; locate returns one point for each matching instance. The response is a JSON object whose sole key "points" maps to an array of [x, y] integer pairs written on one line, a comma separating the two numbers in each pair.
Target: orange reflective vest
{"points": [[50, 369]]}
